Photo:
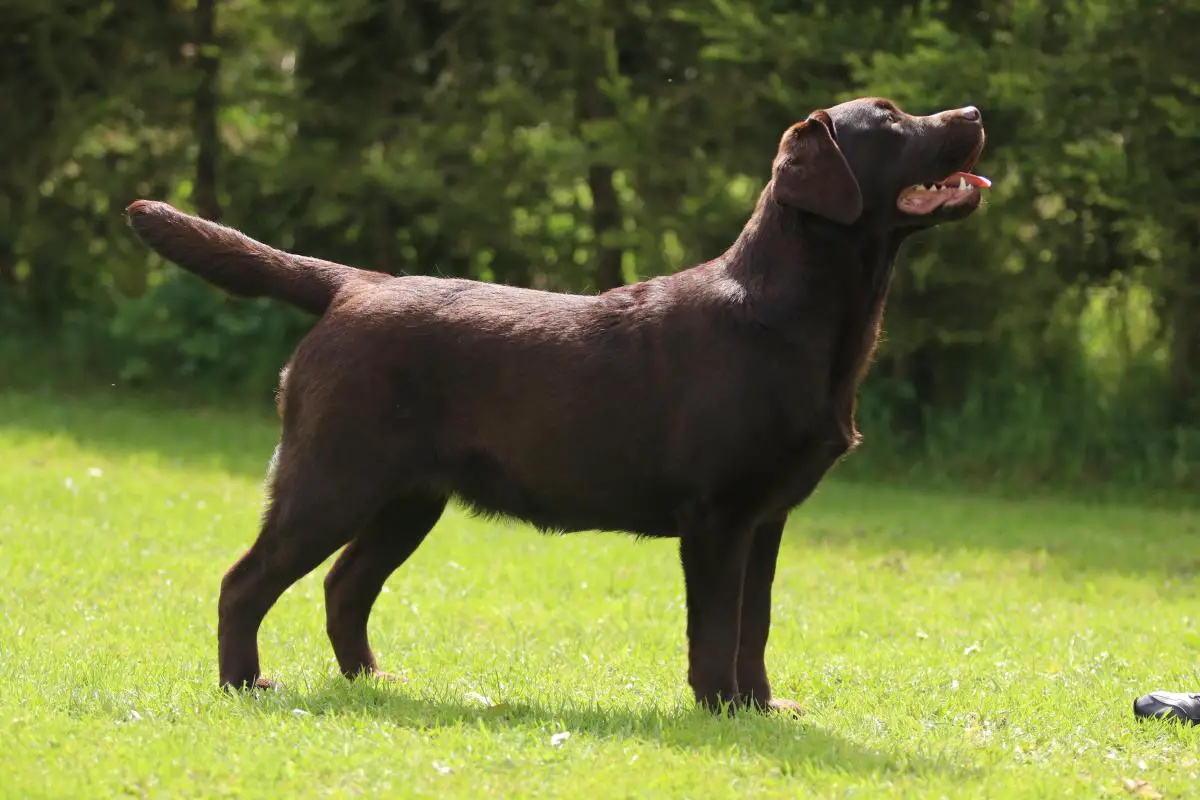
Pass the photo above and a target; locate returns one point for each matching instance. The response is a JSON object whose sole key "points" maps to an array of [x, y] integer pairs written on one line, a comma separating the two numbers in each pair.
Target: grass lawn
{"points": [[943, 645]]}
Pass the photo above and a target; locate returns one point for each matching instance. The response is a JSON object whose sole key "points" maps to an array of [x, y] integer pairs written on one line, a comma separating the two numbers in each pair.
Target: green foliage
{"points": [[180, 330], [571, 145]]}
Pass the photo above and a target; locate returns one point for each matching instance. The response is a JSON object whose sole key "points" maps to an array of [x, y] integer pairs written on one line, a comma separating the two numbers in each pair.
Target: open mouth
{"points": [[958, 189]]}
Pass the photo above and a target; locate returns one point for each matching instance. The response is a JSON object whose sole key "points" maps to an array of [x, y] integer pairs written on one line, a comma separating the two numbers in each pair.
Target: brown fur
{"points": [[703, 405]]}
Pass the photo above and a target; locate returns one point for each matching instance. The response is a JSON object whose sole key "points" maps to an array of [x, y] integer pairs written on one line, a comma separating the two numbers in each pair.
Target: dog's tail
{"points": [[238, 264]]}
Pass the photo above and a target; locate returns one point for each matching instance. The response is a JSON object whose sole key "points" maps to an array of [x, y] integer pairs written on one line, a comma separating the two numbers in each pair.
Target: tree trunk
{"points": [[606, 217], [205, 108], [593, 105], [1185, 339], [1185, 358], [8, 259]]}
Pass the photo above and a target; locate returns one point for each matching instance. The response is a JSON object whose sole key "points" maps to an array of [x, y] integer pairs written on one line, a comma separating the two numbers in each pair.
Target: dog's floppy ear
{"points": [[811, 174]]}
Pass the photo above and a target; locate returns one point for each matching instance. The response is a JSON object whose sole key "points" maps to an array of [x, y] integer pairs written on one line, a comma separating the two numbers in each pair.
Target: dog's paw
{"points": [[258, 684]]}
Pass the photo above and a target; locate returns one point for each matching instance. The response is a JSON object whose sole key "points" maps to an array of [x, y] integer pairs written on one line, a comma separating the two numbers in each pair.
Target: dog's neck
{"points": [[787, 260], [811, 280]]}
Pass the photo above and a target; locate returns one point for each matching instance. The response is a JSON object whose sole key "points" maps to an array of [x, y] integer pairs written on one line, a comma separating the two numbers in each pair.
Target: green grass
{"points": [[943, 645]]}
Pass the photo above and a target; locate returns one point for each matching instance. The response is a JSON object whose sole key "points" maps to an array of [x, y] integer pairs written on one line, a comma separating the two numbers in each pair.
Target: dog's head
{"points": [[868, 160]]}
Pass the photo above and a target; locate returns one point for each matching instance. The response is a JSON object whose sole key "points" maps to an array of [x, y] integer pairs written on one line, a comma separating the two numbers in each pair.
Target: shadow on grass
{"points": [[789, 743], [173, 427], [1135, 536], [1038, 534]]}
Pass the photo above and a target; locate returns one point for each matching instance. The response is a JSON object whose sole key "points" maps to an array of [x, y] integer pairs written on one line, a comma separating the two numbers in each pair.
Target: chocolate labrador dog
{"points": [[702, 405]]}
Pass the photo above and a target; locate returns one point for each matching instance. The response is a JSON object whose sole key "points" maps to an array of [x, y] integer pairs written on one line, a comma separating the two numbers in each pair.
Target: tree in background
{"points": [[580, 144]]}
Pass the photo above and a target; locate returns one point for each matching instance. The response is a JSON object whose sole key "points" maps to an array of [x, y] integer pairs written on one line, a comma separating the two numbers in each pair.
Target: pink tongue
{"points": [[973, 180]]}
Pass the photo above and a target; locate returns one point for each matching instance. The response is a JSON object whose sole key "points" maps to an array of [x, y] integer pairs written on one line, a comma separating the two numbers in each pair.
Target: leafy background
{"points": [[579, 144]]}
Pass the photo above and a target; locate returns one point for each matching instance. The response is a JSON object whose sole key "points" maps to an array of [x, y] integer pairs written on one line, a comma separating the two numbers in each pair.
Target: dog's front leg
{"points": [[714, 553], [753, 683]]}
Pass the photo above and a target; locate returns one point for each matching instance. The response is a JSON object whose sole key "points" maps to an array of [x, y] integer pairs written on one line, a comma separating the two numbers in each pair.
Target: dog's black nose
{"points": [[971, 114]]}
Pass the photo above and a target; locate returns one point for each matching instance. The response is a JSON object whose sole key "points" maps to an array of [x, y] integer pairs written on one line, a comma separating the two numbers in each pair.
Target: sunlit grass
{"points": [[943, 645]]}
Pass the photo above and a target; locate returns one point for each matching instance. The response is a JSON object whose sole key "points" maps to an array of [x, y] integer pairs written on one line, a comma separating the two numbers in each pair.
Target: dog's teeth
{"points": [[962, 183]]}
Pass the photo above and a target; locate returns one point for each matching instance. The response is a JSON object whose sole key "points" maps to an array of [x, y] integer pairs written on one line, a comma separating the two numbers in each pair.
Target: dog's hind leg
{"points": [[313, 512], [357, 577]]}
